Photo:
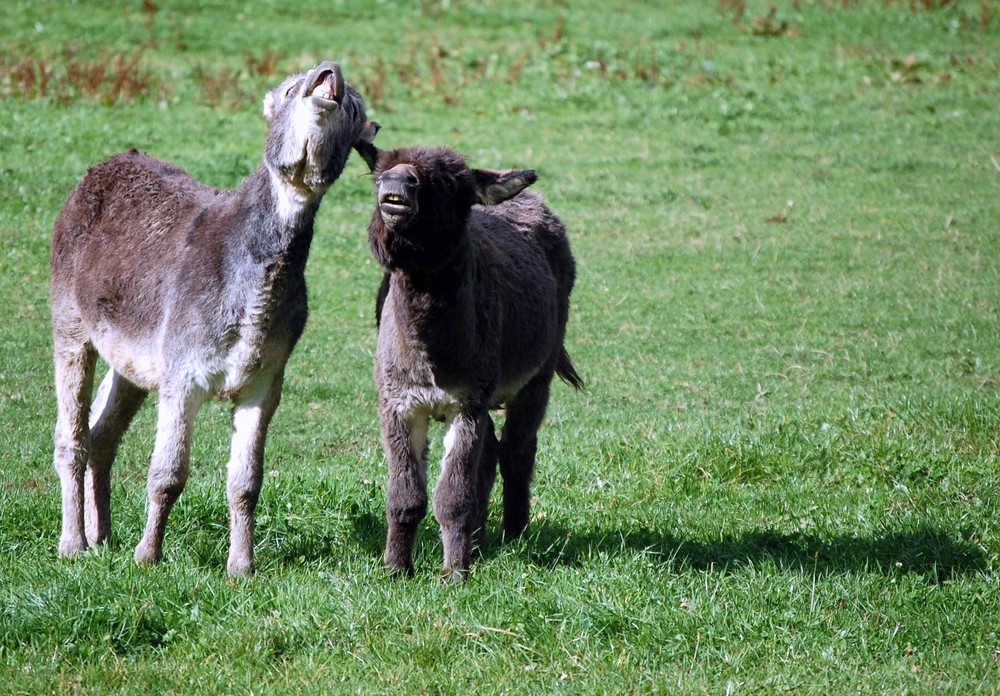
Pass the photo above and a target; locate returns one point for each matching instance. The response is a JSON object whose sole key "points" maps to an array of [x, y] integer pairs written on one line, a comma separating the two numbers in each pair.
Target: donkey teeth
{"points": [[326, 88], [325, 92]]}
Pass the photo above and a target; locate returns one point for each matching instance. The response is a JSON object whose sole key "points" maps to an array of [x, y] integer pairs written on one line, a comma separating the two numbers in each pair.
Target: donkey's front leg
{"points": [[168, 470], [251, 418], [487, 477], [405, 440], [456, 498]]}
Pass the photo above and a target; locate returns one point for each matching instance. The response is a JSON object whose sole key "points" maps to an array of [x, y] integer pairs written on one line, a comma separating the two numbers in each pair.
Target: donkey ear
{"points": [[369, 153], [495, 187], [370, 130], [364, 146], [269, 105]]}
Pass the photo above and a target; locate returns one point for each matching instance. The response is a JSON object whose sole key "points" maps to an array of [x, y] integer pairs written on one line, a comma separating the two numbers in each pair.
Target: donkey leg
{"points": [[245, 471], [518, 444], [168, 470], [487, 477], [115, 405], [74, 371], [405, 441], [457, 494]]}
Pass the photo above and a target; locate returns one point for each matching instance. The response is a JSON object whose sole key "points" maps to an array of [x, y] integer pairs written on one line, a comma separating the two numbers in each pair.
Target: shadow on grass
{"points": [[369, 531], [935, 554]]}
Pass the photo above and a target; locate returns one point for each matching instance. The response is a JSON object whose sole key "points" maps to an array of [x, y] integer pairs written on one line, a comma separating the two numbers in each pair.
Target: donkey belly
{"points": [[227, 365], [138, 359], [531, 338], [506, 392]]}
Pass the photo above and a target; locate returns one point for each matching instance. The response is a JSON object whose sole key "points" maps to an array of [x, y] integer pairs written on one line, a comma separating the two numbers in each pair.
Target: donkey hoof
{"points": [[241, 567], [513, 530], [402, 572], [453, 576], [72, 547], [145, 555], [100, 537], [99, 540]]}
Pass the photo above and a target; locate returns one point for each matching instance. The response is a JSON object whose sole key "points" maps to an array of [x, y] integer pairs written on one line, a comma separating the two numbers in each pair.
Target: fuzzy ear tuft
{"points": [[269, 105], [495, 187], [370, 130]]}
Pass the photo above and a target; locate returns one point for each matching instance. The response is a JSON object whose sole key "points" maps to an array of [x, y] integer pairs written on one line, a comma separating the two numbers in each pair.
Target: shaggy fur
{"points": [[192, 291], [472, 315]]}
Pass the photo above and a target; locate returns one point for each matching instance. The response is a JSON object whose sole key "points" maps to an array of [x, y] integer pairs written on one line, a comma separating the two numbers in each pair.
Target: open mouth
{"points": [[398, 190], [328, 86], [392, 203]]}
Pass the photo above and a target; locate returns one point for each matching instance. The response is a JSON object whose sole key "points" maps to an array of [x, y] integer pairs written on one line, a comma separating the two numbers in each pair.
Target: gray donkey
{"points": [[472, 315], [195, 292]]}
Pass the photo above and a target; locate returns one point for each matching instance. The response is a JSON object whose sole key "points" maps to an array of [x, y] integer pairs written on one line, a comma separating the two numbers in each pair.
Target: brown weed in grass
{"points": [[30, 76], [86, 77], [917, 6], [107, 79], [222, 88], [128, 80], [233, 88], [372, 83], [264, 66], [558, 34], [737, 8], [769, 24], [516, 70], [647, 70], [150, 9], [929, 4]]}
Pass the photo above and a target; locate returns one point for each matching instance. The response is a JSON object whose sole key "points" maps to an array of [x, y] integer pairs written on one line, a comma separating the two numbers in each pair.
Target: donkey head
{"points": [[315, 117], [424, 197]]}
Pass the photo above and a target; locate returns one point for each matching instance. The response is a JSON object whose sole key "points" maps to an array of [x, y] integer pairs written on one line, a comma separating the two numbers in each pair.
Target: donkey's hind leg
{"points": [[74, 371], [518, 444], [115, 405]]}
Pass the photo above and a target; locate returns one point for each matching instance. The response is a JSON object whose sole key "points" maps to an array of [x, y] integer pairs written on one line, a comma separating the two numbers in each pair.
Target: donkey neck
{"points": [[265, 271], [439, 311], [277, 222], [446, 285]]}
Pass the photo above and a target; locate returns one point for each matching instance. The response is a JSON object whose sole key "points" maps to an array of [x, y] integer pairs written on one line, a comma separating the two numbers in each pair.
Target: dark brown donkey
{"points": [[195, 292], [472, 315]]}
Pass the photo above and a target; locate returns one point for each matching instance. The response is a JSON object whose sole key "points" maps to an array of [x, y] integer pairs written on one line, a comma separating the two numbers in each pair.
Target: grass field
{"points": [[783, 473]]}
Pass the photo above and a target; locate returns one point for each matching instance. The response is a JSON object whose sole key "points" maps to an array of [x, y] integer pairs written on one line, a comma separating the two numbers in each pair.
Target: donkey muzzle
{"points": [[397, 191], [325, 84]]}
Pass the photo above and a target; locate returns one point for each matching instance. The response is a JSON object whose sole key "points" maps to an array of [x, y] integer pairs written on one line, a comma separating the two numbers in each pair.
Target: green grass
{"points": [[783, 475]]}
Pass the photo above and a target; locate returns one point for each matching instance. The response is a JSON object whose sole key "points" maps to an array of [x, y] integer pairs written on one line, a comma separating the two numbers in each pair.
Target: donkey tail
{"points": [[567, 373]]}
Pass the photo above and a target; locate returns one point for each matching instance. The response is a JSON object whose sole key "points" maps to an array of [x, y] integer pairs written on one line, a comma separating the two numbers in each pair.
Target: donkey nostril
{"points": [[401, 174]]}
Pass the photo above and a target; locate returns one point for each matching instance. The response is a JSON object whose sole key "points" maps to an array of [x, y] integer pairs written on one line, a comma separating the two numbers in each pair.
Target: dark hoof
{"points": [[513, 531], [399, 572]]}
